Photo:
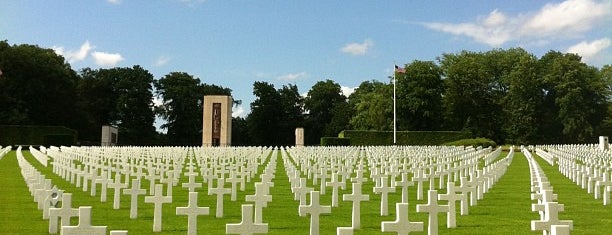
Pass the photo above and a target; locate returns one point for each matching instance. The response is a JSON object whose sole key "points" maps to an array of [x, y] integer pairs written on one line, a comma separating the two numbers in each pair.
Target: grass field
{"points": [[505, 209]]}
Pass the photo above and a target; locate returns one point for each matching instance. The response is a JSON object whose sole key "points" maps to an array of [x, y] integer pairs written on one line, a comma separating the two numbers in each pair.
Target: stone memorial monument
{"points": [[109, 136], [604, 144], [299, 137], [217, 124]]}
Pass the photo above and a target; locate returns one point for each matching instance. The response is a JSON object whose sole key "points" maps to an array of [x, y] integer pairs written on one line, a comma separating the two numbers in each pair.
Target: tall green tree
{"points": [[325, 99], [266, 113], [120, 97], [372, 103], [292, 104], [576, 93], [97, 101], [37, 87], [419, 97], [606, 76], [523, 102], [469, 102], [180, 94], [134, 108]]}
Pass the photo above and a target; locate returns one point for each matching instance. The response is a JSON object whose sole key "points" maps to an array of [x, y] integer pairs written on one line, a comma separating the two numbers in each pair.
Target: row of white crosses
{"points": [[385, 167], [49, 197], [162, 167], [4, 151], [586, 165], [542, 191]]}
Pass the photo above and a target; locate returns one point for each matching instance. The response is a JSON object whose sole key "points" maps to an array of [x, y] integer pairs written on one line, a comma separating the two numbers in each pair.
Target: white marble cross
{"points": [[64, 213], [433, 209], [84, 226], [315, 209], [117, 185], [384, 191], [192, 185], [404, 184], [134, 192], [335, 184], [103, 181], [158, 199], [169, 181], [402, 224], [220, 191], [419, 177], [261, 199], [452, 197], [301, 191], [233, 180], [356, 197], [247, 226], [551, 217], [192, 211]]}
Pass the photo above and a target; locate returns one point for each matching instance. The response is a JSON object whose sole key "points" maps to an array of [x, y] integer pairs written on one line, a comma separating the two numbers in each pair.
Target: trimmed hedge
{"points": [[484, 142], [37, 135], [363, 138], [335, 141]]}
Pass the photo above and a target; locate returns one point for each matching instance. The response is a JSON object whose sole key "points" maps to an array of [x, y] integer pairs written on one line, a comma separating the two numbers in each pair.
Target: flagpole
{"points": [[394, 111]]}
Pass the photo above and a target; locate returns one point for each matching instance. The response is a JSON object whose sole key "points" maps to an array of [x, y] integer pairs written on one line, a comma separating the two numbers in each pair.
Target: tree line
{"points": [[510, 96]]}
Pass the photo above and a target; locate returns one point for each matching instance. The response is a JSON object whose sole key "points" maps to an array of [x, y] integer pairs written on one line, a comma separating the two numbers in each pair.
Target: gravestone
{"points": [[261, 199], [401, 225], [315, 209], [433, 209], [247, 226], [356, 197], [84, 226], [220, 191], [109, 136], [64, 213], [158, 199], [217, 121], [192, 211], [134, 192], [299, 137]]}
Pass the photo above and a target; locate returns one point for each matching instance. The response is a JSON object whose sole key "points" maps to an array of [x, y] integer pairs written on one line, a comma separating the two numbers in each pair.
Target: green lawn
{"points": [[505, 209]]}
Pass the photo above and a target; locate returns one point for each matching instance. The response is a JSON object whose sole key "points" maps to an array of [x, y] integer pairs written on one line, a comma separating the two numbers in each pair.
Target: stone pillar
{"points": [[604, 144], [110, 136], [299, 137], [217, 121]]}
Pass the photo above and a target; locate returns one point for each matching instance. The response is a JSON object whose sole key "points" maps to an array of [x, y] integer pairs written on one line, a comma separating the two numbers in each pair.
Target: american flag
{"points": [[399, 70]]}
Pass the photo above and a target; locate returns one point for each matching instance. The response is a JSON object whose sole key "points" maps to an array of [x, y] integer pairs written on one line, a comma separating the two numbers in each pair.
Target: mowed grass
{"points": [[505, 209], [590, 216]]}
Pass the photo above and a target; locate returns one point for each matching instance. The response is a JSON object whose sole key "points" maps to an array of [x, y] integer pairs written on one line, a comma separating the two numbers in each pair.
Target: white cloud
{"points": [[568, 18], [239, 111], [291, 76], [74, 56], [106, 59], [162, 60], [588, 50], [347, 90], [358, 48], [114, 1]]}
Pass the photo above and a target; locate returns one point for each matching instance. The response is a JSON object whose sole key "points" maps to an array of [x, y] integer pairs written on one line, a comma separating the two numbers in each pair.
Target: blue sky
{"points": [[234, 43]]}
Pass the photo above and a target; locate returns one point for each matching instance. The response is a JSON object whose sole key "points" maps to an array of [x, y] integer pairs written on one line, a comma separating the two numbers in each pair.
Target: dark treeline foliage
{"points": [[510, 96]]}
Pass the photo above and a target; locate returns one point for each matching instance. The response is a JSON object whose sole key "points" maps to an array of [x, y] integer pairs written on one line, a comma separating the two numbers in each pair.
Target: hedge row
{"points": [[37, 135], [483, 142], [335, 141], [403, 137]]}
